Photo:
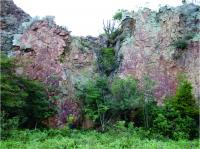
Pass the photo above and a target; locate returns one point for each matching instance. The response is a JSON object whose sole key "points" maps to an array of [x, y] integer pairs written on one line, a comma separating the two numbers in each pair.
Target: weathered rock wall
{"points": [[150, 50], [48, 53], [11, 17]]}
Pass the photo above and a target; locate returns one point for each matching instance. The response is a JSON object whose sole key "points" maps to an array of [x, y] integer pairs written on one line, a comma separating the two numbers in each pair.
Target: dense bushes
{"points": [[127, 99], [178, 118], [24, 103], [107, 101], [123, 99], [126, 95], [94, 96], [107, 60]]}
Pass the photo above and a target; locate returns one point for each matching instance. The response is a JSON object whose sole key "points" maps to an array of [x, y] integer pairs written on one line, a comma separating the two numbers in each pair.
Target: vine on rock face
{"points": [[107, 60], [108, 56]]}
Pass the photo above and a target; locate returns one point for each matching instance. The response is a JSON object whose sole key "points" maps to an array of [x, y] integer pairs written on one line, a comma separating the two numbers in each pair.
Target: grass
{"points": [[76, 139]]}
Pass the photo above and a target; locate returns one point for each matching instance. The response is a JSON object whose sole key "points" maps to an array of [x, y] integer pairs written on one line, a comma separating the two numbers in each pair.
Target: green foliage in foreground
{"points": [[66, 139], [125, 94], [105, 103], [94, 96], [24, 102], [179, 117]]}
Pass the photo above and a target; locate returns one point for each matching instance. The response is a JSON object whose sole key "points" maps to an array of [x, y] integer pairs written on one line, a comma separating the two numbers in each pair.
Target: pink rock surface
{"points": [[149, 52]]}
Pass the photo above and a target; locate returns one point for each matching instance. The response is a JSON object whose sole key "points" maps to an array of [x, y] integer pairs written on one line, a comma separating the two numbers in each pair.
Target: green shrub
{"points": [[107, 60], [24, 103], [185, 103], [118, 15], [162, 125], [126, 95], [170, 124], [178, 118], [128, 98], [123, 100], [93, 96], [106, 102], [149, 103], [119, 127], [184, 100], [181, 44]]}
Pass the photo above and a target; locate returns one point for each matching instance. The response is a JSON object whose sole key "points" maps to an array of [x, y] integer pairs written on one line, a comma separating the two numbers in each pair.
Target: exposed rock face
{"points": [[78, 66], [149, 51], [48, 53], [11, 17], [41, 45], [39, 49]]}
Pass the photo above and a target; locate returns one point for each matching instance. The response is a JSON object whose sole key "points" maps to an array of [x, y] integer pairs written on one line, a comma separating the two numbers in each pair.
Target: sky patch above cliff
{"points": [[85, 17]]}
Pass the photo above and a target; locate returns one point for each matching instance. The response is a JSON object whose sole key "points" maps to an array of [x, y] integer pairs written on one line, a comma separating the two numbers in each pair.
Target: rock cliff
{"points": [[10, 19], [151, 50], [50, 54]]}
